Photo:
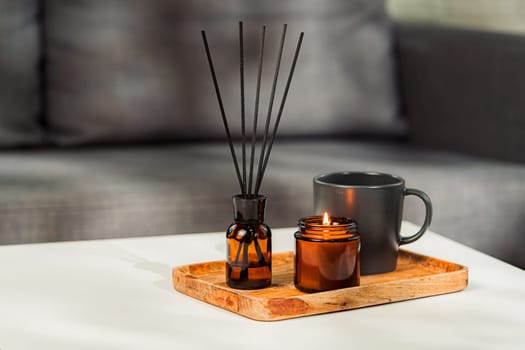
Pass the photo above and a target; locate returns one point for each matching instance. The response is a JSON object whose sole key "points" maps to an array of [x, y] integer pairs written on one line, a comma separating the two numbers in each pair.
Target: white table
{"points": [[118, 294]]}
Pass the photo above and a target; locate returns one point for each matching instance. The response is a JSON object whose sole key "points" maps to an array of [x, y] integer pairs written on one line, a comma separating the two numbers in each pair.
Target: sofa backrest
{"points": [[20, 98], [464, 89], [128, 71]]}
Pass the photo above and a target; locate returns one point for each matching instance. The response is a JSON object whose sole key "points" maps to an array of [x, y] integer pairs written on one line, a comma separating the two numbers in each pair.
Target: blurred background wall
{"points": [[506, 16]]}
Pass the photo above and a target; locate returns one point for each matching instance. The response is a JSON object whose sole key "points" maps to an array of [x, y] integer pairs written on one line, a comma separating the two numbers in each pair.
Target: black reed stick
{"points": [[245, 260], [221, 106], [243, 113], [236, 261], [272, 96], [258, 250], [266, 148], [279, 114], [256, 111]]}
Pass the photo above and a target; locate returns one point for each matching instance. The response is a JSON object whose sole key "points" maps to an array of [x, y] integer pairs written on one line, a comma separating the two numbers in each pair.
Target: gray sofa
{"points": [[110, 126]]}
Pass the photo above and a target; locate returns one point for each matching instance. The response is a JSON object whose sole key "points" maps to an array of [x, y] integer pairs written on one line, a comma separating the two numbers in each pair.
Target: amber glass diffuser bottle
{"points": [[248, 262], [249, 245], [326, 254]]}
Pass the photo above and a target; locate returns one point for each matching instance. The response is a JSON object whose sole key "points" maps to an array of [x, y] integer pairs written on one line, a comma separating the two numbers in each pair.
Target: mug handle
{"points": [[428, 215]]}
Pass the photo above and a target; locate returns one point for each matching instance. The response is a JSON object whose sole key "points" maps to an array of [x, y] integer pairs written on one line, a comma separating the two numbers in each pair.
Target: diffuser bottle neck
{"points": [[249, 209]]}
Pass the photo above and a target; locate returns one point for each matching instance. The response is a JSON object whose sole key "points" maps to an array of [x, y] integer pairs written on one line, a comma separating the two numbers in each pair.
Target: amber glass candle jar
{"points": [[326, 254]]}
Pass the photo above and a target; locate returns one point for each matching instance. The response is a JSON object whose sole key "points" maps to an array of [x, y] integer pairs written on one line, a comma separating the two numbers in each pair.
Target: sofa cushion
{"points": [[121, 71], [19, 74], [54, 195]]}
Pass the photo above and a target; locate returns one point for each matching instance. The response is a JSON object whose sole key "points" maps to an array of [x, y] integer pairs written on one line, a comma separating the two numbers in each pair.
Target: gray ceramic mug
{"points": [[375, 201]]}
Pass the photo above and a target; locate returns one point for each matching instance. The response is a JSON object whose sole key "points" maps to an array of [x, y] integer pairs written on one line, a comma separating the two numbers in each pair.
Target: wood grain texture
{"points": [[416, 276]]}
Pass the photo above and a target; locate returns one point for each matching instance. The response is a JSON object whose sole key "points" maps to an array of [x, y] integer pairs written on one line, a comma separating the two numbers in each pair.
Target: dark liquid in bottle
{"points": [[248, 264]]}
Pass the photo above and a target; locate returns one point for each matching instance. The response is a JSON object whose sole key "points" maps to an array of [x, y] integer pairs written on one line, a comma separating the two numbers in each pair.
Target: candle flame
{"points": [[326, 219]]}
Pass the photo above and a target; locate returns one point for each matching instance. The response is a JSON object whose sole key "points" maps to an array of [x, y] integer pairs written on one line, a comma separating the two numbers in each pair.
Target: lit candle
{"points": [[326, 219], [326, 253]]}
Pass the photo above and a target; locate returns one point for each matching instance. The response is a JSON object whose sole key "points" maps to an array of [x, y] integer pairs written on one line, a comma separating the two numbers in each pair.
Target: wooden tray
{"points": [[416, 276]]}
